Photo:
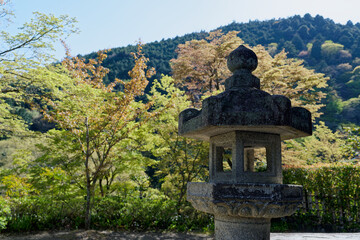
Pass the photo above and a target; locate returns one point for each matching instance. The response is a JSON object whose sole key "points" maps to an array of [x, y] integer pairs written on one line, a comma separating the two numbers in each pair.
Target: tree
{"points": [[330, 50], [304, 32], [200, 66], [316, 50], [278, 74], [96, 118], [298, 42], [290, 48], [21, 57], [180, 160]]}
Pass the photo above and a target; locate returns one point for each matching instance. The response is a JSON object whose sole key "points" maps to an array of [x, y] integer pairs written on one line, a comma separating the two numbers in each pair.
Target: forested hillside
{"points": [[324, 45]]}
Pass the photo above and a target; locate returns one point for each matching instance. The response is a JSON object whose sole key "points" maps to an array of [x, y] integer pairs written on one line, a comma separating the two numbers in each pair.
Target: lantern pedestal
{"points": [[242, 228], [244, 211]]}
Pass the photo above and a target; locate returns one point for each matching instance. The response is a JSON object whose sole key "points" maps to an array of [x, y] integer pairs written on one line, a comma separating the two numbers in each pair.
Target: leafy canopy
{"points": [[23, 57], [201, 67]]}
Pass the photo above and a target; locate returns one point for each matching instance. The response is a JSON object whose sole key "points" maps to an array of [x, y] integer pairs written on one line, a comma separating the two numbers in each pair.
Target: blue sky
{"points": [[114, 23]]}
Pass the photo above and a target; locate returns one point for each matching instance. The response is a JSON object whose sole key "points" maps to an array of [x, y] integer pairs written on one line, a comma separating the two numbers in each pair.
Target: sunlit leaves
{"points": [[180, 160], [23, 57], [98, 121], [35, 38], [16, 186], [201, 64], [201, 68], [353, 142], [324, 146], [280, 75]]}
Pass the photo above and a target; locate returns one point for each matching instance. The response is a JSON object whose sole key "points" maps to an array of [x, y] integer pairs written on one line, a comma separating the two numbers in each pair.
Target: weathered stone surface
{"points": [[242, 78], [242, 58], [247, 109], [245, 200], [242, 228]]}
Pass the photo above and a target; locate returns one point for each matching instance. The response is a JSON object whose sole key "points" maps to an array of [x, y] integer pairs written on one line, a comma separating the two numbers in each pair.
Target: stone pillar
{"points": [[249, 160], [237, 123], [232, 228]]}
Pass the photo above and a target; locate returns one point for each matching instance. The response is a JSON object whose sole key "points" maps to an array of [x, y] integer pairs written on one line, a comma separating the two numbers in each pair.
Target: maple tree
{"points": [[97, 118], [201, 64], [280, 75], [201, 67]]}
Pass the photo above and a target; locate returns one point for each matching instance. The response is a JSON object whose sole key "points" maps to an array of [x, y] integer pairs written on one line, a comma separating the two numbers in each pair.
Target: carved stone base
{"points": [[245, 200], [242, 228]]}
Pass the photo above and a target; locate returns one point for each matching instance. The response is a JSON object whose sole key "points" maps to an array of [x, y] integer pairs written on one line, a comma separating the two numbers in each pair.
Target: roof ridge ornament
{"points": [[242, 62], [242, 58]]}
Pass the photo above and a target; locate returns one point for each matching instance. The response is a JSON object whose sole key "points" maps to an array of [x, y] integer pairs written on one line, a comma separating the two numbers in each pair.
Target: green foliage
{"points": [[200, 66], [298, 42], [44, 186], [5, 213], [45, 190], [130, 211], [201, 69], [272, 48], [180, 160], [22, 60], [329, 49], [324, 146], [351, 110], [151, 210], [353, 142], [279, 225], [43, 213], [285, 76], [37, 35], [333, 109], [316, 50], [159, 53], [331, 197], [353, 84], [290, 48]]}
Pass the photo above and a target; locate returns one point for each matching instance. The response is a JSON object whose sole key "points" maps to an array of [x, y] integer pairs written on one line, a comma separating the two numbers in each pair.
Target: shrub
{"points": [[331, 197], [5, 212]]}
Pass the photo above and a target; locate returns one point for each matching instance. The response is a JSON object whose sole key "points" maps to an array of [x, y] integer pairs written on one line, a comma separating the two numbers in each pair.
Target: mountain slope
{"points": [[324, 45]]}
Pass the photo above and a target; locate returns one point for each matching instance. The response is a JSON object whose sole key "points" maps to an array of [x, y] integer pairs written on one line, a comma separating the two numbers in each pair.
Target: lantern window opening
{"points": [[223, 159], [256, 159], [227, 159]]}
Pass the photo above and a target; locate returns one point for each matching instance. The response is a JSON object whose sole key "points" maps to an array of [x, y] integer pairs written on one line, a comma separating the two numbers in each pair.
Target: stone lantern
{"points": [[241, 123]]}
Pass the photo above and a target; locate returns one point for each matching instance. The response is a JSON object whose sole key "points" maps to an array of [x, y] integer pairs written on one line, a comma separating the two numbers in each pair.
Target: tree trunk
{"points": [[88, 179], [88, 203], [101, 188]]}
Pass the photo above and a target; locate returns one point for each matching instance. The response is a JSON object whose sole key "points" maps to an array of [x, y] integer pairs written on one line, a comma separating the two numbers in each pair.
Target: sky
{"points": [[108, 24]]}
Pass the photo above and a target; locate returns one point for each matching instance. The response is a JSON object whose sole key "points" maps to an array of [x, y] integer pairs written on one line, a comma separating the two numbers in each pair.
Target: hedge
{"points": [[331, 197]]}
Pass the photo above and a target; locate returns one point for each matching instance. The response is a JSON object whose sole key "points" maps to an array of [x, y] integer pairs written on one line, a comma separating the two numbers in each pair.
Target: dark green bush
{"points": [[133, 212], [149, 211], [331, 197], [42, 213]]}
